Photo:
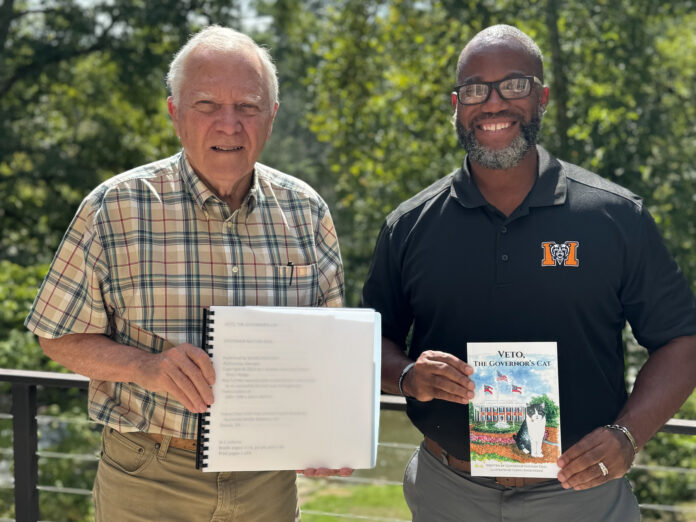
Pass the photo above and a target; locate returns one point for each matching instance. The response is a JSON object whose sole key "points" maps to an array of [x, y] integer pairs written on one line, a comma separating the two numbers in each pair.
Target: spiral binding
{"points": [[204, 418]]}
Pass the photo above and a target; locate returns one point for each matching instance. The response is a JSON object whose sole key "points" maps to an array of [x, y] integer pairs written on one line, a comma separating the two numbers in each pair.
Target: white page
{"points": [[295, 388]]}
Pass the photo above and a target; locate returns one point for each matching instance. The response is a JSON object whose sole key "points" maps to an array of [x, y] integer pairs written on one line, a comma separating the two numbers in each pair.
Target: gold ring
{"points": [[604, 469]]}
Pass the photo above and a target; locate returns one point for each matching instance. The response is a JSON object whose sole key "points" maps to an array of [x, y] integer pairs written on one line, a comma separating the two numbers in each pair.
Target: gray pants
{"points": [[435, 492]]}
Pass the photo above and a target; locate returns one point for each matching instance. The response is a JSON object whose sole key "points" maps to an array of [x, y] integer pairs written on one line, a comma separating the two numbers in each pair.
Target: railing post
{"points": [[25, 459]]}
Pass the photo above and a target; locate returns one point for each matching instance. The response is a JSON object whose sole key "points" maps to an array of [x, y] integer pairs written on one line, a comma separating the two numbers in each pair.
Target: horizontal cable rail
{"points": [[25, 448], [387, 402], [397, 445], [662, 507], [51, 379], [65, 420], [665, 469], [71, 491], [68, 456], [353, 517], [362, 480]]}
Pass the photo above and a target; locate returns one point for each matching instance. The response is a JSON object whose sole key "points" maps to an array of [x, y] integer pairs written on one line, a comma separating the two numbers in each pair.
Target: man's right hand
{"points": [[439, 375], [184, 371]]}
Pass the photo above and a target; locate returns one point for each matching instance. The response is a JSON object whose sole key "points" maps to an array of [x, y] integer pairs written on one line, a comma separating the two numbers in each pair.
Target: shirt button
{"points": [[235, 269], [504, 257], [503, 230]]}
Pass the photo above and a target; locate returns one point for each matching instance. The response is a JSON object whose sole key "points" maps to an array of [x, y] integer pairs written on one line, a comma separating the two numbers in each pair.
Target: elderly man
{"points": [[148, 249], [471, 258]]}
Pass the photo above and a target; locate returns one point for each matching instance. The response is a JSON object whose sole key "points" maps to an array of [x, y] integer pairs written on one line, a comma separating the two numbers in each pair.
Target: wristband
{"points": [[406, 369], [625, 431]]}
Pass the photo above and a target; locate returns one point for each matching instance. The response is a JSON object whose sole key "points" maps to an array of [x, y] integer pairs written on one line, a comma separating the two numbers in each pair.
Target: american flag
{"points": [[500, 377], [516, 389], [488, 389]]}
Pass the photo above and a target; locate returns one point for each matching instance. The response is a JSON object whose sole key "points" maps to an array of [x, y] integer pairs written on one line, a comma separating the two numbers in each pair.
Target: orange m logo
{"points": [[565, 254]]}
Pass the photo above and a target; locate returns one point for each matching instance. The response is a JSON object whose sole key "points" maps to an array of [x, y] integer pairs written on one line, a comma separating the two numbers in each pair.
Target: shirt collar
{"points": [[192, 183], [256, 193], [549, 189], [201, 193]]}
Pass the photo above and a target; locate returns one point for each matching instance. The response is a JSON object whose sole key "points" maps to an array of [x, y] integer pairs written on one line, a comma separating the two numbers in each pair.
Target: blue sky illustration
{"points": [[534, 380]]}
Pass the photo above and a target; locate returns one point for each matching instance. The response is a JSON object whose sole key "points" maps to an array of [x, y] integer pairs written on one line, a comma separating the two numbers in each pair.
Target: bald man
{"points": [[467, 260]]}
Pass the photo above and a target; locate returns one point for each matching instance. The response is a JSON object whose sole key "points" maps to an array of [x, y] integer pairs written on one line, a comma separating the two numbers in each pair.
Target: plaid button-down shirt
{"points": [[148, 249]]}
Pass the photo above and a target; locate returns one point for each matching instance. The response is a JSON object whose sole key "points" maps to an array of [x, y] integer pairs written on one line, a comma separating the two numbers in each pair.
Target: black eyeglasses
{"points": [[508, 89]]}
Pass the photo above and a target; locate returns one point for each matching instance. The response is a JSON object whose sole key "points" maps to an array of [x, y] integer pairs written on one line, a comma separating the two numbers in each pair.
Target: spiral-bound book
{"points": [[295, 388]]}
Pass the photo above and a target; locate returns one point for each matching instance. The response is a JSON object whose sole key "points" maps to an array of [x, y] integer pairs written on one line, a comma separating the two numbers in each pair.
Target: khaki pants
{"points": [[141, 481]]}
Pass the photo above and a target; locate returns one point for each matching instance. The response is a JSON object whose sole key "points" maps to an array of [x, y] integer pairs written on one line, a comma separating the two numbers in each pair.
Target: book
{"points": [[515, 416], [295, 388]]}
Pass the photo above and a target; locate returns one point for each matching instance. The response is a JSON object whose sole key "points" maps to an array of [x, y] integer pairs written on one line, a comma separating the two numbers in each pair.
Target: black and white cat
{"points": [[531, 434]]}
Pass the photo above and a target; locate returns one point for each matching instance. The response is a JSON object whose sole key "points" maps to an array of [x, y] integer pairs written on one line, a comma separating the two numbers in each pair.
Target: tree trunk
{"points": [[560, 82]]}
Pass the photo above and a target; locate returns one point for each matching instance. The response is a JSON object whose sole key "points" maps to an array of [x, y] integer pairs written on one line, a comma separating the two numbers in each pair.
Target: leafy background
{"points": [[365, 117]]}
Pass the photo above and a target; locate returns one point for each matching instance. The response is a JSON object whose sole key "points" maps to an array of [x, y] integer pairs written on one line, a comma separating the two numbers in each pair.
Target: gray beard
{"points": [[500, 159]]}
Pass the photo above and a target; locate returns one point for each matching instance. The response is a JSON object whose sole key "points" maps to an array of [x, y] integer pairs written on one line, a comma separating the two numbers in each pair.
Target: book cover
{"points": [[515, 417]]}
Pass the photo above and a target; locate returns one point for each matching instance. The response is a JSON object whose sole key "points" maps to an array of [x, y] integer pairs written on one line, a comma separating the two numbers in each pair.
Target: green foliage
{"points": [[19, 350], [81, 98], [667, 486], [293, 148], [18, 287], [365, 117], [74, 438], [384, 502], [380, 99]]}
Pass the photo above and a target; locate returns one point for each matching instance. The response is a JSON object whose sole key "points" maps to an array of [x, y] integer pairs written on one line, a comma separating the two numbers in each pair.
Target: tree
{"points": [[81, 98], [380, 99], [293, 148]]}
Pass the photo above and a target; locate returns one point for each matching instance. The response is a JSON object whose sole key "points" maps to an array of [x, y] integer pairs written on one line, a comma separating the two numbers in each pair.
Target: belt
{"points": [[175, 442], [465, 465]]}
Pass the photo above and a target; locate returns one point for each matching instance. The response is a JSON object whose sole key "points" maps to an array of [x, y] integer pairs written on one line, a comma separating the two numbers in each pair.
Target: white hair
{"points": [[220, 38]]}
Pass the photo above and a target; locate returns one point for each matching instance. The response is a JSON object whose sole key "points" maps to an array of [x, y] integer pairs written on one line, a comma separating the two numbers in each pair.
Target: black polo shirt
{"points": [[578, 258]]}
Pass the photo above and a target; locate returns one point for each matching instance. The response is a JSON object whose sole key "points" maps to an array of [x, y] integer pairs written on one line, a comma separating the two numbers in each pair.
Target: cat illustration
{"points": [[531, 434]]}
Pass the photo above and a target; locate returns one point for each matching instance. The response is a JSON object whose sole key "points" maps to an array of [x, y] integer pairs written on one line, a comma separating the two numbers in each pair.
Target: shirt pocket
{"points": [[293, 285]]}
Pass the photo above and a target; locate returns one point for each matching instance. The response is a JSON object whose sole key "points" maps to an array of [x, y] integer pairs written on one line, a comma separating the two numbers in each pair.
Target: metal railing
{"points": [[25, 437]]}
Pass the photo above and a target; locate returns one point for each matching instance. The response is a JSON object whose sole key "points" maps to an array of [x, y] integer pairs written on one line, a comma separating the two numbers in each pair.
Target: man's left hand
{"points": [[580, 467], [326, 472]]}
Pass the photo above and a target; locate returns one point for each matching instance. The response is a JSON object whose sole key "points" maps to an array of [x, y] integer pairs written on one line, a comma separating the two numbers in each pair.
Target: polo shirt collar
{"points": [[201, 193], [549, 189]]}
